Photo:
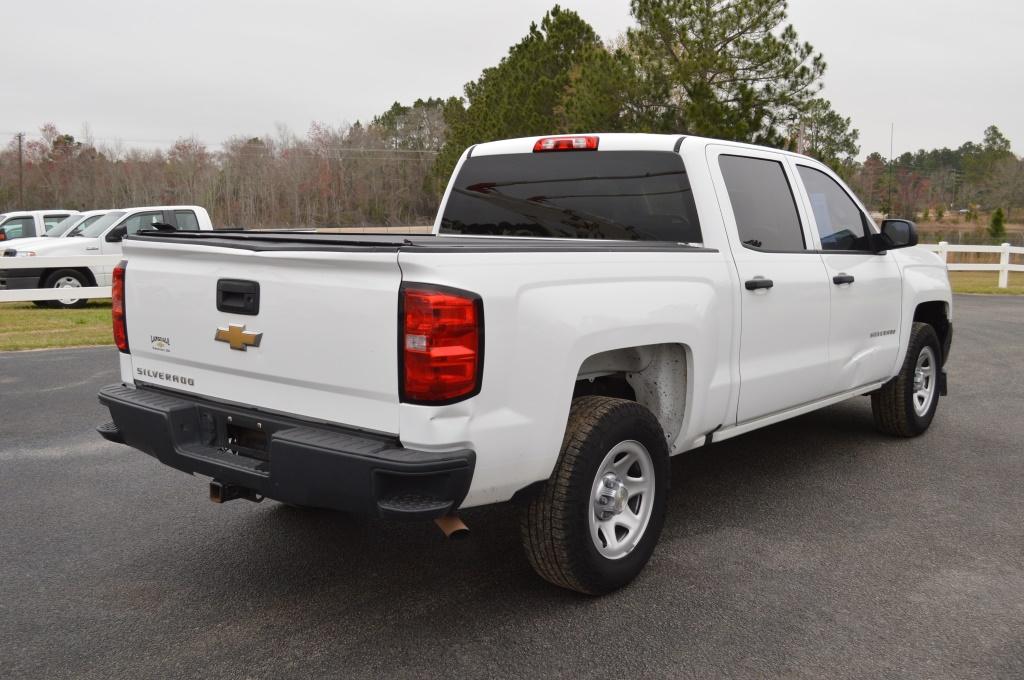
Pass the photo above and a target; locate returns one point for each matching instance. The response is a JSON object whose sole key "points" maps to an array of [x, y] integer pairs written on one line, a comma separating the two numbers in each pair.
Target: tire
{"points": [[905, 406], [67, 278], [44, 304], [558, 525]]}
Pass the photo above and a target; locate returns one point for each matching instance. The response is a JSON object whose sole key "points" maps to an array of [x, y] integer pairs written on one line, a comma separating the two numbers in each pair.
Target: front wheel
{"points": [[70, 279], [595, 524], [905, 406]]}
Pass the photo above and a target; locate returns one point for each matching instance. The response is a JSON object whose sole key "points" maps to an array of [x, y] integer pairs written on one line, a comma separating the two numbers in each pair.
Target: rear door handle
{"points": [[757, 284], [840, 279], [92, 248]]}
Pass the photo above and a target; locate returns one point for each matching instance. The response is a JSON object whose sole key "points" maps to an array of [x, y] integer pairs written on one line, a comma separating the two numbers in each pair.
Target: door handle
{"points": [[757, 284], [93, 248], [840, 279]]}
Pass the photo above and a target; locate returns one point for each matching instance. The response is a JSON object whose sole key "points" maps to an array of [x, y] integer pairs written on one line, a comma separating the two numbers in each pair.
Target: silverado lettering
{"points": [[168, 377]]}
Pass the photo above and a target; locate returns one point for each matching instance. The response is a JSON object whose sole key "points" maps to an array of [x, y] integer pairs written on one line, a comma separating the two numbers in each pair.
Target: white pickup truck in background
{"points": [[69, 226], [588, 306], [100, 236], [21, 224]]}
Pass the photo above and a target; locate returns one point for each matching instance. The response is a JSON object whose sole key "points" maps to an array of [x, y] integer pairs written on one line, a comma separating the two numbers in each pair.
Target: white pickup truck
{"points": [[30, 223], [100, 236], [587, 307]]}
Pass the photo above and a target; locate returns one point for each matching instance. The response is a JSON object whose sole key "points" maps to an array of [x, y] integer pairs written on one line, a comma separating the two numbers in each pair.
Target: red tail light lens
{"points": [[441, 344], [574, 143], [117, 307]]}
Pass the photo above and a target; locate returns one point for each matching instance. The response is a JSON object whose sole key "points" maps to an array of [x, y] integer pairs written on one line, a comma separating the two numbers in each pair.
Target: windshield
{"points": [[96, 229], [625, 195], [63, 226]]}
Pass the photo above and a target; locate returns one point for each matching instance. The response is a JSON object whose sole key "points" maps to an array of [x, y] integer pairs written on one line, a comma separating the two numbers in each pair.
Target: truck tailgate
{"points": [[327, 322]]}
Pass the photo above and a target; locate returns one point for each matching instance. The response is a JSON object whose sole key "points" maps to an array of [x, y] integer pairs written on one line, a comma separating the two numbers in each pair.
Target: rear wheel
{"points": [[595, 524], [67, 278], [905, 406]]}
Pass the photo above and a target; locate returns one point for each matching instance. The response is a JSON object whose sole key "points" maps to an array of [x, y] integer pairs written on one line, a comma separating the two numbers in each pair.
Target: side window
{"points": [[142, 221], [186, 220], [53, 220], [763, 203], [841, 224], [18, 227]]}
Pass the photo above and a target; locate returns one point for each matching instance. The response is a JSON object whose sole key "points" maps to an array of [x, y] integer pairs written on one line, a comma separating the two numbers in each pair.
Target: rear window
{"points": [[625, 195]]}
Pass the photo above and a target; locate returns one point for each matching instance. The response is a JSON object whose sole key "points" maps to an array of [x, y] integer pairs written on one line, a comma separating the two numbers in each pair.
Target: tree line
{"points": [[732, 69]]}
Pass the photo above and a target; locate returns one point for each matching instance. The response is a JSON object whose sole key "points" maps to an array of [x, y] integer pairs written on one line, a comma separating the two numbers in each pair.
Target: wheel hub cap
{"points": [[924, 386], [611, 497], [918, 379], [621, 499]]}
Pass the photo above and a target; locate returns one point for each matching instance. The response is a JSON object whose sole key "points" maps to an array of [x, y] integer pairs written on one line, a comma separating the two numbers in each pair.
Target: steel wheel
{"points": [[622, 498], [67, 282], [924, 381]]}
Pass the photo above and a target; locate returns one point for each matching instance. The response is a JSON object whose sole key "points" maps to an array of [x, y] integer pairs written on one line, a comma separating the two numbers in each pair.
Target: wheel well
{"points": [[84, 271], [936, 315], [651, 375]]}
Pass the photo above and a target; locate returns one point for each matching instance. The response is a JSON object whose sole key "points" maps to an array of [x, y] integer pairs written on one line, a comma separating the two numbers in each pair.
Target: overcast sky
{"points": [[148, 72]]}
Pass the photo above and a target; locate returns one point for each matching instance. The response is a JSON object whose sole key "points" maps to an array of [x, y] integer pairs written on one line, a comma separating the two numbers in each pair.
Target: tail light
{"points": [[117, 307], [574, 143], [442, 343]]}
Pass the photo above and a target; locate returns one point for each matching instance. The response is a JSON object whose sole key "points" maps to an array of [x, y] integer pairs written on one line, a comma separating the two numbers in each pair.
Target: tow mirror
{"points": [[117, 234], [897, 234]]}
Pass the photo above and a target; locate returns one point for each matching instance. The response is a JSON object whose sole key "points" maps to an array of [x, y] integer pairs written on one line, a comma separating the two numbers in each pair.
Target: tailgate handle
{"points": [[238, 296]]}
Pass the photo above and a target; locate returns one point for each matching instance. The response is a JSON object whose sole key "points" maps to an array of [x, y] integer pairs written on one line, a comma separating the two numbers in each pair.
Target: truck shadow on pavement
{"points": [[295, 557]]}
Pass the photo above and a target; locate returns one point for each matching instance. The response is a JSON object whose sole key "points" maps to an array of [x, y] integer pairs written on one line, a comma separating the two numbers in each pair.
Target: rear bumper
{"points": [[298, 462]]}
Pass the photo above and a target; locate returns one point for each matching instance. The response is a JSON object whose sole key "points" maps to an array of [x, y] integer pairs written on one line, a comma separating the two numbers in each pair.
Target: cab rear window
{"points": [[624, 195]]}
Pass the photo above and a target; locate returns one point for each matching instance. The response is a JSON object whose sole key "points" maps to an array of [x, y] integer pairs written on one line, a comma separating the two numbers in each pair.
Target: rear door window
{"points": [[53, 220], [143, 221], [763, 204], [623, 195], [186, 220]]}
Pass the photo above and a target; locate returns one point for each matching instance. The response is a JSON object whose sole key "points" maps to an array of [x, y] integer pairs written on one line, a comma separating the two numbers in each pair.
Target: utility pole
{"points": [[892, 131], [21, 174]]}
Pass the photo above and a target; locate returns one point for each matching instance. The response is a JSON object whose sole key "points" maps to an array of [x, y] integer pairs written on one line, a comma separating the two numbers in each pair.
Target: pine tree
{"points": [[525, 94], [997, 224], [727, 68]]}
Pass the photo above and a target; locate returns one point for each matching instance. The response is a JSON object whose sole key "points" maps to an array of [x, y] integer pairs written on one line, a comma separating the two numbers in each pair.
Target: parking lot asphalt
{"points": [[816, 548]]}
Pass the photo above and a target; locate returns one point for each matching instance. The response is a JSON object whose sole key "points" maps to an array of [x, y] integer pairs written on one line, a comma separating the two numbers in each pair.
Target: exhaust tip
{"points": [[452, 527]]}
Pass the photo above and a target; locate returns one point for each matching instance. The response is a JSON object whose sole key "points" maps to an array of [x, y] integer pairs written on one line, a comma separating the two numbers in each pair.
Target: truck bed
{"points": [[285, 239]]}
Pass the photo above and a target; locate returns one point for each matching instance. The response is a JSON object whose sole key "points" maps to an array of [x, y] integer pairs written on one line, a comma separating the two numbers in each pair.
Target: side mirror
{"points": [[117, 234], [897, 234]]}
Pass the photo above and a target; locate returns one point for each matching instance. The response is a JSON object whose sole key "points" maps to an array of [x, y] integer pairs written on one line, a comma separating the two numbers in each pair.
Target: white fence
{"points": [[1003, 266], [31, 294]]}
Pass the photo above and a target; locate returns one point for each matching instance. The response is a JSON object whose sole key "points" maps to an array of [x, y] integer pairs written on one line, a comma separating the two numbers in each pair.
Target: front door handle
{"points": [[757, 284], [840, 279], [92, 248]]}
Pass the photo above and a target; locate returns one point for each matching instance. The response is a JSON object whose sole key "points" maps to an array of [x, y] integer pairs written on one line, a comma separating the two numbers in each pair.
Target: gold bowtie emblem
{"points": [[239, 338]]}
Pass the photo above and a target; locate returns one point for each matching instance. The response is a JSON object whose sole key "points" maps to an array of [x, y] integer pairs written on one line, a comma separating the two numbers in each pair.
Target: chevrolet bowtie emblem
{"points": [[239, 338]]}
